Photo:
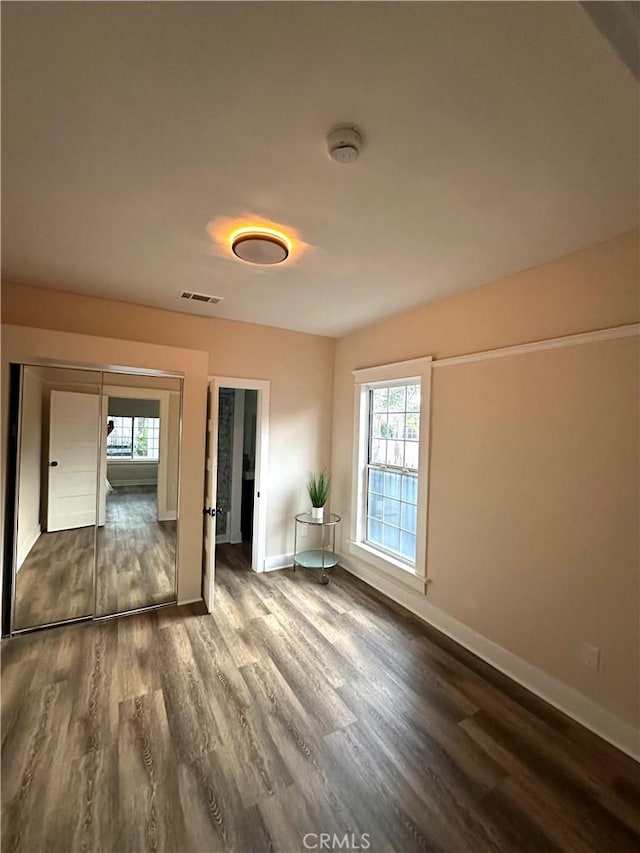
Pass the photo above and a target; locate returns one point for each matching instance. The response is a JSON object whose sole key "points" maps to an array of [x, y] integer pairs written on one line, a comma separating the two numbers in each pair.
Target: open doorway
{"points": [[236, 477], [237, 414]]}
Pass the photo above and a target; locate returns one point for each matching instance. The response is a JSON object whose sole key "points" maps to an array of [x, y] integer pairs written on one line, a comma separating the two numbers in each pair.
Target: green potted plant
{"points": [[318, 486]]}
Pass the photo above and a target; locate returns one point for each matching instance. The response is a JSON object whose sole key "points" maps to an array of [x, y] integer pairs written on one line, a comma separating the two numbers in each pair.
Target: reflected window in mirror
{"points": [[133, 438]]}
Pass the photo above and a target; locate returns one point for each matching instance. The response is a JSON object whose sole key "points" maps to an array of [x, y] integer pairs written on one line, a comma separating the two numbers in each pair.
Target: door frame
{"points": [[163, 397], [259, 544]]}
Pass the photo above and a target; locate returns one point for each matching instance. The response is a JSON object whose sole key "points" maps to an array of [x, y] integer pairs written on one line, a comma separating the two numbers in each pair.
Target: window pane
{"points": [[119, 439], [397, 398], [409, 517], [379, 451], [140, 438], [394, 433], [376, 480], [374, 532], [413, 426], [379, 427], [146, 438], [408, 546], [391, 537], [411, 454], [396, 426], [395, 453], [410, 489], [392, 484], [392, 512], [413, 398], [374, 507], [380, 397]]}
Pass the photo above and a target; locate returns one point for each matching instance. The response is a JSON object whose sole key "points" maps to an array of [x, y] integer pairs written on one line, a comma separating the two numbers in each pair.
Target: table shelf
{"points": [[324, 557], [313, 559]]}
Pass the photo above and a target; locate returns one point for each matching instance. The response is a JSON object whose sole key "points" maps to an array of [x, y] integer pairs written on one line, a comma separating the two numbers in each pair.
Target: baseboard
{"points": [[281, 561], [222, 539], [236, 537], [24, 547], [118, 484], [167, 516], [566, 699]]}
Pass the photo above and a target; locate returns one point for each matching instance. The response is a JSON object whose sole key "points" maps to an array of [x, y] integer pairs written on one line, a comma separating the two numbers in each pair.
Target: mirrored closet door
{"points": [[56, 496], [96, 509], [138, 492]]}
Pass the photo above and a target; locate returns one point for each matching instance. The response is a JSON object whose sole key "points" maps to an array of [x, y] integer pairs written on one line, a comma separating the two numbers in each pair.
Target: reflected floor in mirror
{"points": [[136, 553], [55, 582], [136, 564]]}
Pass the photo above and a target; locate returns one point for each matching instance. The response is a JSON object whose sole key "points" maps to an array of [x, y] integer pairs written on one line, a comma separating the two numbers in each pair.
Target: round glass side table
{"points": [[322, 557]]}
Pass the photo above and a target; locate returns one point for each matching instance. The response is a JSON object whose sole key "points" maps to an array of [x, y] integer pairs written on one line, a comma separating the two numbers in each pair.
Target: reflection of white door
{"points": [[73, 460], [210, 494]]}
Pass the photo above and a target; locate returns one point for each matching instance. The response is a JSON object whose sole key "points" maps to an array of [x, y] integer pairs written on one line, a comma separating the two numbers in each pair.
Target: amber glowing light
{"points": [[225, 231], [259, 230]]}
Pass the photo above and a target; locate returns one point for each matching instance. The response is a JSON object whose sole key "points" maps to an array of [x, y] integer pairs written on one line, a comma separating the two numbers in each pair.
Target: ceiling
{"points": [[497, 136]]}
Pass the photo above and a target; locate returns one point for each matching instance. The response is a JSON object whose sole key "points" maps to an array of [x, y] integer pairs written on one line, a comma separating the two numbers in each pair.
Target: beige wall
{"points": [[299, 367], [536, 547], [133, 473], [533, 515]]}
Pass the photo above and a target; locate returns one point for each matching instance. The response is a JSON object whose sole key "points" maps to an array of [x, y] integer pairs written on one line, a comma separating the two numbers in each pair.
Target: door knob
{"points": [[53, 464]]}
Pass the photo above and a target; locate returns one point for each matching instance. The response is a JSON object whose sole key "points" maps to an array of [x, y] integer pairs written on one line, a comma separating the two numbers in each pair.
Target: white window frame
{"points": [[415, 371]]}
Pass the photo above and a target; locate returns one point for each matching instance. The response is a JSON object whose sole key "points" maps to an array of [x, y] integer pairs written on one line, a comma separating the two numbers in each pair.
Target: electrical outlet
{"points": [[591, 656]]}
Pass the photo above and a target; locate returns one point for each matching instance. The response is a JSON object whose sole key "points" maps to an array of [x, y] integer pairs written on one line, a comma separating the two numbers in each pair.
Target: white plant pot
{"points": [[317, 512]]}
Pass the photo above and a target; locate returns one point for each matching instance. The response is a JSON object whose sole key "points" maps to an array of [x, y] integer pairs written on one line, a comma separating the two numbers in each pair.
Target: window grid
{"points": [[392, 469], [134, 438]]}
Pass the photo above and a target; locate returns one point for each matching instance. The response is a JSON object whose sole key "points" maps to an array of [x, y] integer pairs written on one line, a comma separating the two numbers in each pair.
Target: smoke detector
{"points": [[343, 144]]}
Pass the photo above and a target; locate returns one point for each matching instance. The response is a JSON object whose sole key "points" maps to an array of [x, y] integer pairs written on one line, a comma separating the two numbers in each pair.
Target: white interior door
{"points": [[210, 495], [73, 460]]}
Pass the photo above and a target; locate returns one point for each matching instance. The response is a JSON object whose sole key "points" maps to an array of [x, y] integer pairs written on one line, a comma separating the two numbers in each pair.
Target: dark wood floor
{"points": [[295, 709], [136, 564]]}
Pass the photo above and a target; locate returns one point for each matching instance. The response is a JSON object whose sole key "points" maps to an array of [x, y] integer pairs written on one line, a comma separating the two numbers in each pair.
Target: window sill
{"points": [[396, 570], [118, 460]]}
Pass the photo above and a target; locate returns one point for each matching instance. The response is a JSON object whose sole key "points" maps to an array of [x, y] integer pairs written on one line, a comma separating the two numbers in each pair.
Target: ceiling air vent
{"points": [[201, 297]]}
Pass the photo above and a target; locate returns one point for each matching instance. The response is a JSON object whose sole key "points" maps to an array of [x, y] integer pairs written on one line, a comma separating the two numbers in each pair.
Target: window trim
{"points": [[366, 379]]}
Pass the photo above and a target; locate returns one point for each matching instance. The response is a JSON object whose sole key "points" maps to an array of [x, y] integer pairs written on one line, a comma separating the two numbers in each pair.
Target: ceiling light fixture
{"points": [[257, 245]]}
